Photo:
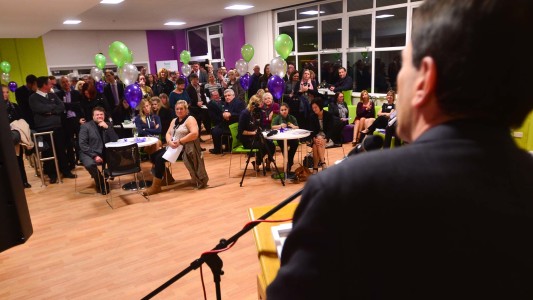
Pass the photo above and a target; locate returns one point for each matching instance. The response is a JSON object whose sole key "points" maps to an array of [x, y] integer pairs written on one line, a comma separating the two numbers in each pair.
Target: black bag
{"points": [[308, 161]]}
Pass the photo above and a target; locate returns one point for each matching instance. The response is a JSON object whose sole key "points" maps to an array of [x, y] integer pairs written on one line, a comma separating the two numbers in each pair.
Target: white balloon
{"points": [[96, 73], [5, 77], [278, 66], [129, 74], [186, 69], [241, 66]]}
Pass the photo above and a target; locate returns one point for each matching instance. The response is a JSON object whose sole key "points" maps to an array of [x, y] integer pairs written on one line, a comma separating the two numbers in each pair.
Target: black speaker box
{"points": [[15, 222]]}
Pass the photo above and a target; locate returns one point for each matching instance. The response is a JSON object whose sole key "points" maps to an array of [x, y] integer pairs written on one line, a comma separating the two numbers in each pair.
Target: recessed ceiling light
{"points": [[239, 7], [312, 12], [306, 27], [384, 16], [111, 1], [174, 23], [72, 22]]}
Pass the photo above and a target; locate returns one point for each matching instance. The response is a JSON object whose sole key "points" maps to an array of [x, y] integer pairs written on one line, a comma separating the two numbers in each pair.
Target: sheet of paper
{"points": [[171, 154]]}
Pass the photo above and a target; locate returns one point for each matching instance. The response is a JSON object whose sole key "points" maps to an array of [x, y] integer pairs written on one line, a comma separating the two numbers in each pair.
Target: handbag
{"points": [[302, 173]]}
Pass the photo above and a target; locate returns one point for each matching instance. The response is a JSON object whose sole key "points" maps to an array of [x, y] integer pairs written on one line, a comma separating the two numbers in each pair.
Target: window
{"points": [[364, 36], [205, 44]]}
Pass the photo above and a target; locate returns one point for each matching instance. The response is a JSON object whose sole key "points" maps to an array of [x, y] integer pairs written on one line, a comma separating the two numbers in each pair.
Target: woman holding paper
{"points": [[182, 136]]}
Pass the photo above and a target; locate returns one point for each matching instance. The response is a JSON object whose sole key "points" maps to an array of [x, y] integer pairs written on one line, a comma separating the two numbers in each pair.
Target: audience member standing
{"points": [[70, 119], [47, 110], [113, 91], [22, 94], [254, 81]]}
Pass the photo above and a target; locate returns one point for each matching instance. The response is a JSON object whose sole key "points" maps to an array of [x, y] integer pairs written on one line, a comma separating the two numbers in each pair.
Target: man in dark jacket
{"points": [[70, 119], [22, 94]]}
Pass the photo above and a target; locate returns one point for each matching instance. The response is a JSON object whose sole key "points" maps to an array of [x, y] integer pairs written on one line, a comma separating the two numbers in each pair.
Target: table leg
{"points": [[285, 153]]}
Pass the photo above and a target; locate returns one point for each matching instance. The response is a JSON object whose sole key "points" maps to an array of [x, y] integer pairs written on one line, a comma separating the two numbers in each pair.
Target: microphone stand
{"points": [[213, 260]]}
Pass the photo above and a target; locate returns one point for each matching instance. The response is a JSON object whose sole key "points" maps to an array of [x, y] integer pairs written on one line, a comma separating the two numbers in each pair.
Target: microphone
{"points": [[272, 132], [370, 142]]}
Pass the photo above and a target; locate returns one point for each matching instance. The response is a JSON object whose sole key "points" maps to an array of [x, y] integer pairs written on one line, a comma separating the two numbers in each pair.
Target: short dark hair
{"points": [[461, 42], [52, 77], [180, 81], [99, 108], [194, 76], [319, 102], [41, 81], [31, 79]]}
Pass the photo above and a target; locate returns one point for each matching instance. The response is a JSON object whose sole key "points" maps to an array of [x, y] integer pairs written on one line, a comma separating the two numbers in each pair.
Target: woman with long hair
{"points": [[322, 125], [91, 98], [162, 112], [263, 80], [365, 115]]}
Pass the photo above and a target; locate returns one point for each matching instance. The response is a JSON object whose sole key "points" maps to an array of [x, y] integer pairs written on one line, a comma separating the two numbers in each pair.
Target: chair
{"points": [[122, 160], [237, 147], [347, 96], [39, 142]]}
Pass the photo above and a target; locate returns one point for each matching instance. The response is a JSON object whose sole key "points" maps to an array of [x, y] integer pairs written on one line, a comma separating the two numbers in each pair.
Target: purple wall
{"points": [[162, 42], [233, 29]]}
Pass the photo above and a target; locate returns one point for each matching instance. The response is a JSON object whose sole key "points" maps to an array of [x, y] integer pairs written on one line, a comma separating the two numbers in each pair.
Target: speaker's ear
{"points": [[15, 223]]}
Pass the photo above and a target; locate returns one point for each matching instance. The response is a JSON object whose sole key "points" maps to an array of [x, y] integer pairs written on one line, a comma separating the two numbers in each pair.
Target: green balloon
{"points": [[185, 56], [118, 52], [5, 67], [283, 45], [99, 61], [129, 58], [247, 52]]}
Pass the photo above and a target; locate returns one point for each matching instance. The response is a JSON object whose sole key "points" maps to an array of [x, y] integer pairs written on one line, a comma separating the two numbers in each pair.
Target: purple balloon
{"points": [[133, 94], [245, 81], [276, 85], [186, 80], [12, 86], [100, 86]]}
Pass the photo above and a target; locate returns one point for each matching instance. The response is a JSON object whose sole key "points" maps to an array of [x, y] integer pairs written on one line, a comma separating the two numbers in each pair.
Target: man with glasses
{"points": [[232, 110]]}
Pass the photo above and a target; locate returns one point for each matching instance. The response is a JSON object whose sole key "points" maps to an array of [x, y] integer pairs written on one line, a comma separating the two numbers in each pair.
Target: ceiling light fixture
{"points": [[174, 23], [239, 7], [111, 1], [71, 22], [312, 12], [384, 16]]}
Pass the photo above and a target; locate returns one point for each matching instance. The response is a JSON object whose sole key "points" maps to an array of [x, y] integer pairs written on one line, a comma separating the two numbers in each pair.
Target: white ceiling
{"points": [[34, 18]]}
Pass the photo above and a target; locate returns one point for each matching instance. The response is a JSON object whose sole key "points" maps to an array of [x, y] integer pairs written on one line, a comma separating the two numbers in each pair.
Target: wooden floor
{"points": [[83, 249]]}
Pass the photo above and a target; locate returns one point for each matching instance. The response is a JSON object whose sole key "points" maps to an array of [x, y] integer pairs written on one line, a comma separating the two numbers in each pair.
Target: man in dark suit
{"points": [[93, 136], [197, 94], [232, 110], [70, 119], [448, 216], [114, 89], [22, 94], [47, 110], [202, 74]]}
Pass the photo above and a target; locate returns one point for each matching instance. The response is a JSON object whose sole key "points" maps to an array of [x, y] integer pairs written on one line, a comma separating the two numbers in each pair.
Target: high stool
{"points": [[40, 159]]}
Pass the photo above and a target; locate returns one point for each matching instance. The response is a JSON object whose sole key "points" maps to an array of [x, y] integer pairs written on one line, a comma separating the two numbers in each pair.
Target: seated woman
{"points": [[321, 124], [284, 120], [339, 109], [163, 112], [123, 112], [183, 131], [248, 133], [270, 109], [148, 124], [365, 115], [383, 117]]}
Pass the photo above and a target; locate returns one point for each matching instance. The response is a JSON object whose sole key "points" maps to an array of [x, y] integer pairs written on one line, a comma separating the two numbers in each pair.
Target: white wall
{"points": [[66, 48], [259, 32]]}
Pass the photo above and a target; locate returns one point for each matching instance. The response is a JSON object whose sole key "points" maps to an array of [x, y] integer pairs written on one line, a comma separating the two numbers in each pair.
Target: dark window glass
{"points": [[330, 8], [388, 65], [308, 62], [360, 69], [329, 67], [307, 36], [307, 12], [354, 5], [332, 34], [215, 48], [360, 34], [380, 3], [391, 27], [197, 41], [214, 29], [285, 16]]}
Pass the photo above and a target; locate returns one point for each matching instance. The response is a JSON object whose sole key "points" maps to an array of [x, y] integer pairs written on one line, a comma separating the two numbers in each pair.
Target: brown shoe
{"points": [[154, 188]]}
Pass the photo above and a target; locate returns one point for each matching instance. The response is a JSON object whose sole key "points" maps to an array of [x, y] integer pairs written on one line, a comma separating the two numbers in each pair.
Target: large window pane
{"points": [[286, 16], [332, 34], [307, 12], [360, 31], [361, 70], [214, 29], [390, 66], [307, 36], [215, 48], [330, 8], [354, 5], [308, 62], [391, 27], [288, 30], [329, 67], [381, 3], [198, 41]]}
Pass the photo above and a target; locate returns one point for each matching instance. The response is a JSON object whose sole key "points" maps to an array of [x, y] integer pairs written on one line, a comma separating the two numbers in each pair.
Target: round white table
{"points": [[141, 142], [287, 134]]}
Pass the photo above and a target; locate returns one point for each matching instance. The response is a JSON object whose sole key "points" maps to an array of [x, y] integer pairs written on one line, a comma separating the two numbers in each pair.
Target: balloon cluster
{"points": [[5, 67], [185, 58], [122, 56], [241, 65], [278, 66]]}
